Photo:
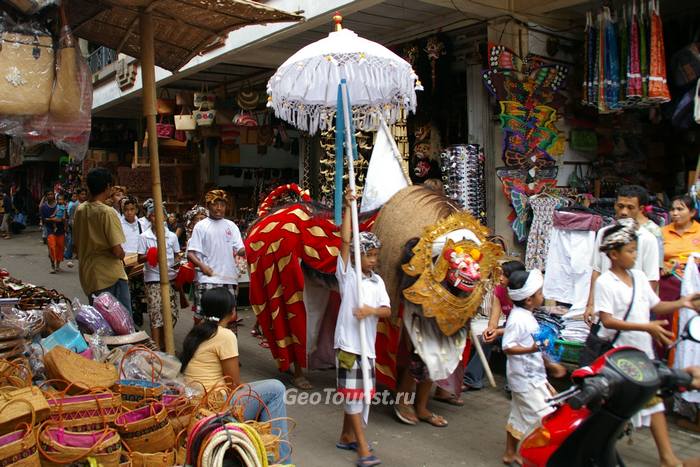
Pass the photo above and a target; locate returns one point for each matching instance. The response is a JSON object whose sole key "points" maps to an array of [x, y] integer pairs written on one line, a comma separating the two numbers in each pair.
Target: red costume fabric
{"points": [[275, 248]]}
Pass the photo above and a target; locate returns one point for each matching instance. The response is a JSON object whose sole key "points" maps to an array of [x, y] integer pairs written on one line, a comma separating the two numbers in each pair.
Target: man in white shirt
{"points": [[214, 244], [151, 278], [132, 229], [627, 206], [130, 225]]}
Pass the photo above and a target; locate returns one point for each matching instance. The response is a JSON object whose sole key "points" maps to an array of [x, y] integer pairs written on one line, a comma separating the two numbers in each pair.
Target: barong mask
{"points": [[463, 267], [455, 265]]}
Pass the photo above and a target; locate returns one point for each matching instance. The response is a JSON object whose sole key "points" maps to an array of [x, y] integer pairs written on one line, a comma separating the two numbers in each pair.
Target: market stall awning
{"points": [[182, 27]]}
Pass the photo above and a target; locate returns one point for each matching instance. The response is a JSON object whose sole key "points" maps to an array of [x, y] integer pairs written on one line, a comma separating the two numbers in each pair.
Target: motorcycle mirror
{"points": [[692, 329]]}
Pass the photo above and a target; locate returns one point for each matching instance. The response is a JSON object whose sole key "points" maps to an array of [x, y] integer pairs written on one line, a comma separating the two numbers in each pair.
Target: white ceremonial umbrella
{"points": [[304, 91]]}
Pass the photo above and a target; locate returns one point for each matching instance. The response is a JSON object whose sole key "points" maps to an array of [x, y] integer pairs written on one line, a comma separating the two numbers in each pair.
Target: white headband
{"points": [[534, 282]]}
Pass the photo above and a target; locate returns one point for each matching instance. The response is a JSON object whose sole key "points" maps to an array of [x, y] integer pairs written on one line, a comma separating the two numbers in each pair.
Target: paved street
{"points": [[475, 436]]}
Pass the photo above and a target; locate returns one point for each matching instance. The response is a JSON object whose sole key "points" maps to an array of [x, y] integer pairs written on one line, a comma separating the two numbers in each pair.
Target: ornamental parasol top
{"points": [[304, 89]]}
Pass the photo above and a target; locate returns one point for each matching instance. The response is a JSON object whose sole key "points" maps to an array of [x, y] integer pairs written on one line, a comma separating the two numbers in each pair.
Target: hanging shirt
{"points": [[132, 230], [148, 240], [215, 242], [347, 328]]}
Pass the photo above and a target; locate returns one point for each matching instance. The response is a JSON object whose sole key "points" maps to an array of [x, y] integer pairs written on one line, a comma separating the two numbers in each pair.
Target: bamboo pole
{"points": [[364, 346], [148, 70]]}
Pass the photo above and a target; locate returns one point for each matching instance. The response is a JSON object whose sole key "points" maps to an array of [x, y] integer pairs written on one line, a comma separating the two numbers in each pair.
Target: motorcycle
{"points": [[592, 415]]}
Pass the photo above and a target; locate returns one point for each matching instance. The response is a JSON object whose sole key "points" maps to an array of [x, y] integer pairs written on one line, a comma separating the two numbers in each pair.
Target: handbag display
{"points": [[59, 446], [147, 429], [204, 100], [204, 117], [18, 447], [185, 122], [135, 391], [596, 346], [62, 364], [66, 97], [27, 71], [92, 410], [165, 104], [164, 130]]}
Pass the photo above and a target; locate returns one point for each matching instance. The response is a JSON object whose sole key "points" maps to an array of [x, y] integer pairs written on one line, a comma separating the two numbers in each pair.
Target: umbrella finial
{"points": [[338, 20]]}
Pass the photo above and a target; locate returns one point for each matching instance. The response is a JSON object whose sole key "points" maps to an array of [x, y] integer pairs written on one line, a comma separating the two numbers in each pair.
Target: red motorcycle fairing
{"points": [[538, 446]]}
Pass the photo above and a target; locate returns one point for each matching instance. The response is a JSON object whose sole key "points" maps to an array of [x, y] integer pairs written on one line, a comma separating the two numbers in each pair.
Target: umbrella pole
{"points": [[356, 240], [148, 70]]}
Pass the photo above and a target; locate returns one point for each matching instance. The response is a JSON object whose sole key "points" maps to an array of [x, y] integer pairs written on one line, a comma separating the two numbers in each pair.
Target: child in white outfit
{"points": [[615, 290], [525, 369], [375, 304]]}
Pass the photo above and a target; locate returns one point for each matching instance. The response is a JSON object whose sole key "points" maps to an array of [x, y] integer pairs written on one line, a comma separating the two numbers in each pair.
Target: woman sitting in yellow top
{"points": [[210, 355]]}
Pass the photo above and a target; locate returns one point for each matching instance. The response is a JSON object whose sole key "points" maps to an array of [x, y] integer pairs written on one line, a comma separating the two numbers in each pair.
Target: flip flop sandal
{"points": [[302, 383], [454, 400], [352, 446], [402, 417], [368, 461], [434, 420]]}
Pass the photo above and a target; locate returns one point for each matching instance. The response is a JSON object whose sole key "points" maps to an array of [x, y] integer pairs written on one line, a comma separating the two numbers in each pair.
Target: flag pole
{"points": [[366, 382]]}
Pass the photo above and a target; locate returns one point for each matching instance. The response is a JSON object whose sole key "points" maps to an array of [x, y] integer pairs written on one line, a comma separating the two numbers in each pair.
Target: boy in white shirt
{"points": [[526, 366], [212, 248], [615, 289], [347, 343], [628, 205], [130, 224], [151, 278]]}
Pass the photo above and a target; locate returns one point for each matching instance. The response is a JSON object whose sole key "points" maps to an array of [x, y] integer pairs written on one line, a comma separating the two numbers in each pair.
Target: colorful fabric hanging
{"points": [[634, 74], [658, 88]]}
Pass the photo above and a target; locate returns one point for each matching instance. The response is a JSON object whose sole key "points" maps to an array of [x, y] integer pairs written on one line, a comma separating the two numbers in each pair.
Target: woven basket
{"points": [[62, 364], [158, 459], [180, 410], [147, 429], [18, 448], [18, 413], [181, 447], [15, 373], [91, 411], [59, 446], [133, 391]]}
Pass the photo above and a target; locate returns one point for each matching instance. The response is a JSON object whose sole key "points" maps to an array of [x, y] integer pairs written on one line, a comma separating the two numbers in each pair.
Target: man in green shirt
{"points": [[98, 238]]}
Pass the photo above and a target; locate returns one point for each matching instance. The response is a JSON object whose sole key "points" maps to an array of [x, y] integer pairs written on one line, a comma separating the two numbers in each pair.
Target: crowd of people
{"points": [[634, 296]]}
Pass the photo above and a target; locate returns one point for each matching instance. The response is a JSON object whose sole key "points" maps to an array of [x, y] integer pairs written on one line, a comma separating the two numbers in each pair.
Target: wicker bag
{"points": [[18, 448], [62, 364], [59, 446], [20, 413], [135, 391], [181, 447], [15, 373], [92, 410], [147, 429], [155, 459], [27, 70]]}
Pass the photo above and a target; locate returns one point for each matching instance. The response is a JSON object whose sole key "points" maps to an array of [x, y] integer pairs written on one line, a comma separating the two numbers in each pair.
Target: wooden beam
{"points": [[544, 6]]}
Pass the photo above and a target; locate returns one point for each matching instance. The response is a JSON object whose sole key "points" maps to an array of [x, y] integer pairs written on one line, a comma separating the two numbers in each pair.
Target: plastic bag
{"points": [[36, 361], [56, 315], [49, 99], [68, 336], [99, 349], [114, 312], [90, 320], [147, 366], [31, 322]]}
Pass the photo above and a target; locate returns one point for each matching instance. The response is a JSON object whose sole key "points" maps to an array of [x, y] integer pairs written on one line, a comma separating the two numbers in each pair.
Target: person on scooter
{"points": [[525, 368], [615, 289]]}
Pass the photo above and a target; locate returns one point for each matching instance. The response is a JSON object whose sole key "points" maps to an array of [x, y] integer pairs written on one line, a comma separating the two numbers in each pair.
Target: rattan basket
{"points": [[59, 446], [83, 374], [18, 448], [147, 429]]}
